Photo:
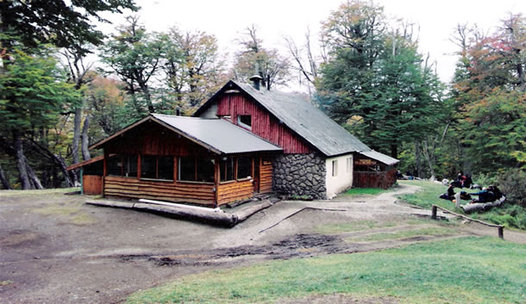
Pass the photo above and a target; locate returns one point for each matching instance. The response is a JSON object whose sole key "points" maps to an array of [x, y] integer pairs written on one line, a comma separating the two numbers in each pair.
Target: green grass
{"points": [[465, 270], [13, 193], [70, 212], [427, 195], [404, 234], [511, 216], [365, 191]]}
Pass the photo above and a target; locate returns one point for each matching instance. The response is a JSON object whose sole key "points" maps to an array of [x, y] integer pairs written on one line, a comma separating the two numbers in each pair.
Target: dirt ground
{"points": [[56, 249]]}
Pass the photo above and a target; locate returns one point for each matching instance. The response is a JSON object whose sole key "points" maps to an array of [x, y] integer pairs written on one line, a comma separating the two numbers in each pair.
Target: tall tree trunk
{"points": [[4, 180], [20, 161], [418, 163], [394, 151], [35, 181], [76, 140], [85, 139]]}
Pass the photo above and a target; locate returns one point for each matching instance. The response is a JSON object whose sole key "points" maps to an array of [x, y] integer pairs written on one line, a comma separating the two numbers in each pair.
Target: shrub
{"points": [[513, 184]]}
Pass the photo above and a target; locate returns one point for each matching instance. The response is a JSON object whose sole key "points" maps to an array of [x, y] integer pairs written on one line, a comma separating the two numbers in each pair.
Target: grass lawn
{"points": [[509, 215], [365, 191], [463, 270], [428, 195]]}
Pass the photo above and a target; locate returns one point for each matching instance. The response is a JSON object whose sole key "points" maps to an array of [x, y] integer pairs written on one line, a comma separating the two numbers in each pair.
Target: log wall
{"points": [[197, 193], [92, 184], [263, 124], [234, 191]]}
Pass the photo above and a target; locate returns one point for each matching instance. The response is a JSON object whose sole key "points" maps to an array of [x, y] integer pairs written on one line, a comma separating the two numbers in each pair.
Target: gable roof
{"points": [[217, 135], [388, 160], [298, 114]]}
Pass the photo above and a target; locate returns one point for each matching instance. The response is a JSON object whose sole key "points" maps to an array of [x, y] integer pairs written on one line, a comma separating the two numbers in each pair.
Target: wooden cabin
{"points": [[244, 140]]}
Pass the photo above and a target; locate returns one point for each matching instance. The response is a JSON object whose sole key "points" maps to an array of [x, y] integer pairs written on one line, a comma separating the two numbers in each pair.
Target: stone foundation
{"points": [[300, 174]]}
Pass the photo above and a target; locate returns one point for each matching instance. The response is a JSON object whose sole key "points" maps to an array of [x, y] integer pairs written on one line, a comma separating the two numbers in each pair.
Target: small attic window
{"points": [[245, 121]]}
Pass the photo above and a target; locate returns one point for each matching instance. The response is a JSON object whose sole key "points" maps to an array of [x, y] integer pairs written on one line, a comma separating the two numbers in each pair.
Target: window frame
{"points": [[335, 167], [156, 165], [243, 124]]}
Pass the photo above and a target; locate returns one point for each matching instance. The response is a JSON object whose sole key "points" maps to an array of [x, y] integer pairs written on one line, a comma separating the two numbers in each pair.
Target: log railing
{"points": [[434, 209]]}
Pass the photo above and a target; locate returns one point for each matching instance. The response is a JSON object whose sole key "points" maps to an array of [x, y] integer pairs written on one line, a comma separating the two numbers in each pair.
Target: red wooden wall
{"points": [[263, 124]]}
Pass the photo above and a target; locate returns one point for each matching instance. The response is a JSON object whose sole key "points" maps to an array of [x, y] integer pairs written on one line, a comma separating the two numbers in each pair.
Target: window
{"points": [[187, 168], [205, 170], [349, 164], [244, 167], [157, 167], [196, 169], [227, 169], [148, 166], [122, 165], [165, 167], [245, 121], [334, 167]]}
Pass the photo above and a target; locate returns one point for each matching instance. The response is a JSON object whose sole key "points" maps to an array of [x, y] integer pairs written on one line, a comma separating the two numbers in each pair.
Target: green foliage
{"points": [[135, 56], [374, 80], [192, 66], [512, 183], [62, 23], [495, 131], [462, 270], [33, 93]]}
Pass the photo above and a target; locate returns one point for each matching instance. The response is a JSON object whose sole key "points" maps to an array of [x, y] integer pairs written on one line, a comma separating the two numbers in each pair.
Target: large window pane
{"points": [[148, 166], [115, 165], [131, 168], [244, 167], [187, 168], [166, 167], [205, 170], [227, 169]]}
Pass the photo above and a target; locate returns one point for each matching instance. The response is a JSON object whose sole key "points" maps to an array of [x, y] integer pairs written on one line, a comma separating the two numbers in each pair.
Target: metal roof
{"points": [[388, 160], [216, 134], [310, 123]]}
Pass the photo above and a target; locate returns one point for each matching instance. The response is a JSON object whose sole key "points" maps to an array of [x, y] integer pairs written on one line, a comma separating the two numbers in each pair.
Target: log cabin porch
{"points": [[207, 162]]}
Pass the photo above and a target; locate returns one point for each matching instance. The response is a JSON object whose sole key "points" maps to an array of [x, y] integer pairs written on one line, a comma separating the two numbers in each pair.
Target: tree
{"points": [[193, 69], [488, 92], [106, 104], [135, 56], [33, 94], [375, 81], [255, 59], [62, 23]]}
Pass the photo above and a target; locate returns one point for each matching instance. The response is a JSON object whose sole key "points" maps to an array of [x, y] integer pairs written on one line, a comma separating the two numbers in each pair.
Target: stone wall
{"points": [[300, 174]]}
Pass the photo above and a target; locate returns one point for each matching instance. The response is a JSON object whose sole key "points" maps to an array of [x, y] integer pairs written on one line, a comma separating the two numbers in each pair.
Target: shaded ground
{"points": [[56, 249]]}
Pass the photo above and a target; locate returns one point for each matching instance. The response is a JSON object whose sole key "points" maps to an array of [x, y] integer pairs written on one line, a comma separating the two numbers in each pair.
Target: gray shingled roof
{"points": [[217, 134], [388, 160], [306, 120]]}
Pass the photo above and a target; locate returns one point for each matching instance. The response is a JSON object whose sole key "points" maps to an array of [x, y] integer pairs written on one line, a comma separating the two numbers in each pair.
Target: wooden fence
{"points": [[370, 179]]}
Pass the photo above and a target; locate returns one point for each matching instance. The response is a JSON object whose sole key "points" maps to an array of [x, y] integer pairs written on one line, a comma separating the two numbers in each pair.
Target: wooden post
{"points": [[104, 170], [501, 232], [217, 177], [139, 161], [434, 212]]}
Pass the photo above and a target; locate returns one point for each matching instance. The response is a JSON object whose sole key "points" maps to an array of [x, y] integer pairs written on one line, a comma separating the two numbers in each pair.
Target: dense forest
{"points": [[366, 72]]}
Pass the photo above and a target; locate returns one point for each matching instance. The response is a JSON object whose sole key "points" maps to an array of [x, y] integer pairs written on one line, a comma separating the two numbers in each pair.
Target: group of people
{"points": [[484, 195]]}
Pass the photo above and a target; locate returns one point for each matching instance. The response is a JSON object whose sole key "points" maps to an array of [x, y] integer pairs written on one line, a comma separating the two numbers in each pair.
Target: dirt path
{"points": [[56, 249]]}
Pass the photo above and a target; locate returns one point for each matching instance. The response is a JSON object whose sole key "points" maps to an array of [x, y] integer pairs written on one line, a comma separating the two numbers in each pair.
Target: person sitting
{"points": [[450, 194], [484, 196]]}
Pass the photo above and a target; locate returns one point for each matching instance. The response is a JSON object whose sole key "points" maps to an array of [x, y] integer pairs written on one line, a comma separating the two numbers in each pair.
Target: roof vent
{"points": [[256, 81]]}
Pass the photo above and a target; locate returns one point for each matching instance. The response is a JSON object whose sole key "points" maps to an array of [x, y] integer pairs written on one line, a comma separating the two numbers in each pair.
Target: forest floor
{"points": [[56, 249]]}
